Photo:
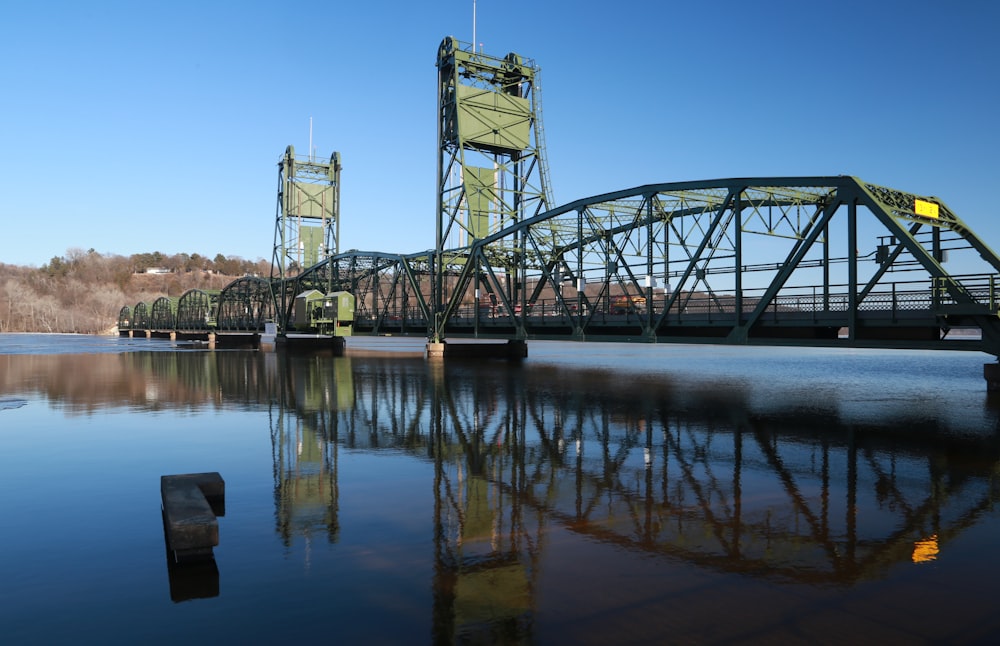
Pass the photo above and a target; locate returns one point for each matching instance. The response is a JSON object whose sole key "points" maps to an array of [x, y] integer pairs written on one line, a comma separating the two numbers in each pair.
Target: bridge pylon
{"points": [[491, 165], [307, 224]]}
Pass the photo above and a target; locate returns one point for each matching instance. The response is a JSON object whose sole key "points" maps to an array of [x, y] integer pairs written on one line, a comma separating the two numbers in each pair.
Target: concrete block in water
{"points": [[191, 504]]}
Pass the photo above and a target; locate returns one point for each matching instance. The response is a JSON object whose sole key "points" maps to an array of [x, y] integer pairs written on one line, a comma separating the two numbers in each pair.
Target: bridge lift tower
{"points": [[307, 225], [491, 163]]}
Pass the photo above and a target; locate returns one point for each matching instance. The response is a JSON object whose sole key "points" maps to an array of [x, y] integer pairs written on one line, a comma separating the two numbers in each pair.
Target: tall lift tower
{"points": [[307, 226], [491, 164]]}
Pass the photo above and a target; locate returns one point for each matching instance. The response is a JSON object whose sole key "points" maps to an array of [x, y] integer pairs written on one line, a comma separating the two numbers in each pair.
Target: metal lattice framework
{"points": [[140, 316], [795, 260], [163, 316], [245, 305], [810, 261], [307, 222], [196, 309], [392, 292], [125, 318], [491, 161]]}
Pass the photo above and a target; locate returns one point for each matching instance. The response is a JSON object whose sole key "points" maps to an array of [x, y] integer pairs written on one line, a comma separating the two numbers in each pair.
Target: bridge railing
{"points": [[895, 298], [981, 288]]}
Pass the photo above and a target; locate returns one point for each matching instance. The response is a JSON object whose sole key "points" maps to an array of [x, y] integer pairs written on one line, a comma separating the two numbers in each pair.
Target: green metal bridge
{"points": [[834, 261], [242, 307], [806, 261]]}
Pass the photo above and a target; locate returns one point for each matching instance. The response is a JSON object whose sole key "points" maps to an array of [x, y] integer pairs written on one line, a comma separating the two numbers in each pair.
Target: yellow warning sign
{"points": [[925, 208]]}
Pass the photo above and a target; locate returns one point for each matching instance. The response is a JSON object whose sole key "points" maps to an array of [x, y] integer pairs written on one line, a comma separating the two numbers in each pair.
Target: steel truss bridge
{"points": [[779, 260], [241, 307], [793, 260]]}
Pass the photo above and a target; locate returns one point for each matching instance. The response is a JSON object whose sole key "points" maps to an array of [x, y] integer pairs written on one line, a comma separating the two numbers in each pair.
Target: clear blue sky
{"points": [[132, 127]]}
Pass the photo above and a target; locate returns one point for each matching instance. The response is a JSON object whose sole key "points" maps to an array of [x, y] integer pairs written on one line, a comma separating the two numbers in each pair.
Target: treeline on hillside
{"points": [[83, 291]]}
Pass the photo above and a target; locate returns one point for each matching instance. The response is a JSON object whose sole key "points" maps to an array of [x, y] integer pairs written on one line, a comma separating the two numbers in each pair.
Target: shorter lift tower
{"points": [[307, 226], [491, 168]]}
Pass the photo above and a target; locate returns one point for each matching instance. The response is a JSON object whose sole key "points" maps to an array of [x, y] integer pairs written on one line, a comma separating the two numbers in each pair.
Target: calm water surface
{"points": [[596, 493]]}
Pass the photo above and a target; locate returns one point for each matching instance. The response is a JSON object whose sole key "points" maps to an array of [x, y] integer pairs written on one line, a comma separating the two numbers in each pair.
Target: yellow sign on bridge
{"points": [[925, 208]]}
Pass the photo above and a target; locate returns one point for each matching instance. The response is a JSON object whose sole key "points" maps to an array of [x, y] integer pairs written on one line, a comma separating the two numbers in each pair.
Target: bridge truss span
{"points": [[244, 305], [392, 291], [793, 260]]}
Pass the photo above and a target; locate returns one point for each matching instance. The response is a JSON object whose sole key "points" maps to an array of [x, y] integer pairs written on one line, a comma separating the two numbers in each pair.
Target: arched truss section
{"points": [[140, 317], [164, 314], [799, 260], [196, 309], [392, 292], [744, 261], [245, 305], [125, 318]]}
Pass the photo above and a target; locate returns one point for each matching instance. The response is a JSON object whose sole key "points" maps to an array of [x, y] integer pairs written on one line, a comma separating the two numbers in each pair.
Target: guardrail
{"points": [[898, 298]]}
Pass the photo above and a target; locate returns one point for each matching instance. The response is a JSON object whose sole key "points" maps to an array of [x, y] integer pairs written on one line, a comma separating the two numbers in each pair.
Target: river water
{"points": [[594, 494]]}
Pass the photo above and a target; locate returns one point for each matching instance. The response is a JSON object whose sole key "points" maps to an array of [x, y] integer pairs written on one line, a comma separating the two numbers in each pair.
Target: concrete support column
{"points": [[517, 349], [435, 350], [991, 372]]}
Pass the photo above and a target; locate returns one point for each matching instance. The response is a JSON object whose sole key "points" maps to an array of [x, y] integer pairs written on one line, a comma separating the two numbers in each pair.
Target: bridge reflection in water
{"points": [[499, 502], [518, 452]]}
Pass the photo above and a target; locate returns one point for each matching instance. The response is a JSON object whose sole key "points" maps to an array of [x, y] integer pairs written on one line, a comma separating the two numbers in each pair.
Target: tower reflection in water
{"points": [[304, 446], [794, 496]]}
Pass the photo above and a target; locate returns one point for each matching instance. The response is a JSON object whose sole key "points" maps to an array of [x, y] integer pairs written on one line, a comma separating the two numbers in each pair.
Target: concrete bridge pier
{"points": [[991, 372], [512, 350]]}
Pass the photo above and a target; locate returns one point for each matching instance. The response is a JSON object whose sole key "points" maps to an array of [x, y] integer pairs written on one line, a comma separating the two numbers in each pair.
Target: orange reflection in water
{"points": [[925, 550]]}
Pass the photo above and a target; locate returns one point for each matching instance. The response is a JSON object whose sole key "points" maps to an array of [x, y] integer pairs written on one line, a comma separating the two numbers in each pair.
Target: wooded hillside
{"points": [[83, 291]]}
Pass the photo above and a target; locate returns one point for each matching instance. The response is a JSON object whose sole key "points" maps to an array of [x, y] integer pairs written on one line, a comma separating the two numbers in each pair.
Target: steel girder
{"points": [[140, 316], [164, 314], [488, 120], [125, 318], [794, 260], [738, 261], [196, 309], [491, 170], [307, 220], [391, 291], [245, 305]]}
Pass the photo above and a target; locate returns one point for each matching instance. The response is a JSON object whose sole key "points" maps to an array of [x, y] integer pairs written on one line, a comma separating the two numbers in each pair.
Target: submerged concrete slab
{"points": [[191, 504]]}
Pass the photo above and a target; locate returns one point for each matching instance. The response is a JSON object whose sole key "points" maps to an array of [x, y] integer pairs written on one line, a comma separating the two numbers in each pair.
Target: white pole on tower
{"points": [[473, 26]]}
